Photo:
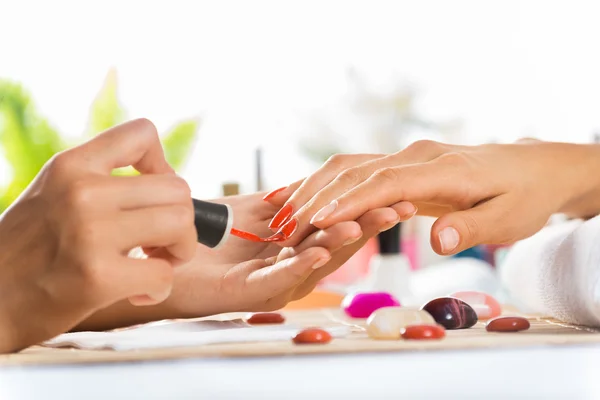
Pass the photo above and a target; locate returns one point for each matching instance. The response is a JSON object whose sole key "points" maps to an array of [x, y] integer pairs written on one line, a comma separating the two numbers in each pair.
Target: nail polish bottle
{"points": [[390, 269]]}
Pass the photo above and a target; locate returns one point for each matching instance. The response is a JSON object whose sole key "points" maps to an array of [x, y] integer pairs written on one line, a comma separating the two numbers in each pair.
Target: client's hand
{"points": [[249, 276], [495, 194]]}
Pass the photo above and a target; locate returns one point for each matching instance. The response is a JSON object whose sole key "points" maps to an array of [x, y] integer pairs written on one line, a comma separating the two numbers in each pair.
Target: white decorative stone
{"points": [[387, 322]]}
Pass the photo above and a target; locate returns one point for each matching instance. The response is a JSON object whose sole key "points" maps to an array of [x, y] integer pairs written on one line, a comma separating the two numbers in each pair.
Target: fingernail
{"points": [[324, 212], [288, 229], [410, 215], [449, 239], [321, 262], [352, 240], [274, 193], [390, 225], [281, 217]]}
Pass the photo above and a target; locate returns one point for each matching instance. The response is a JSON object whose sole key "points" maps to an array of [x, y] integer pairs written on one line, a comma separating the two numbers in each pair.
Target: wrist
{"points": [[584, 199]]}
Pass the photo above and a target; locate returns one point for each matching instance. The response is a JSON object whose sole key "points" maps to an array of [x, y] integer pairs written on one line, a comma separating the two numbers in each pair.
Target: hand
{"points": [[66, 238], [493, 194], [248, 276]]}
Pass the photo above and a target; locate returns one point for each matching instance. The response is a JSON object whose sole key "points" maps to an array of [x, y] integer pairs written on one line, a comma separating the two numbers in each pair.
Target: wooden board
{"points": [[543, 331]]}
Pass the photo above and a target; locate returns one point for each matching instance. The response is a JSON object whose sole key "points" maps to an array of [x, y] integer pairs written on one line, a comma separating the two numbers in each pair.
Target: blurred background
{"points": [[292, 80]]}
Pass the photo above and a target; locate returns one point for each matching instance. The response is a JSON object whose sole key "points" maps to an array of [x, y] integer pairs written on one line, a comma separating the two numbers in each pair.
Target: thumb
{"points": [[461, 230], [134, 143]]}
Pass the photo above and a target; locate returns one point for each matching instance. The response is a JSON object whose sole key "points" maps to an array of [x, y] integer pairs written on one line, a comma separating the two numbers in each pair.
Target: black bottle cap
{"points": [[389, 241], [213, 222]]}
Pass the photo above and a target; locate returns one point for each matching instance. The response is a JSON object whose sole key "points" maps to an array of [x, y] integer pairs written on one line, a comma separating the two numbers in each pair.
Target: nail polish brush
{"points": [[214, 225]]}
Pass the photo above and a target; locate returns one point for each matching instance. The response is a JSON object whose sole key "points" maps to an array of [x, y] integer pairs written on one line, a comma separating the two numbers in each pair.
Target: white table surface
{"points": [[571, 372]]}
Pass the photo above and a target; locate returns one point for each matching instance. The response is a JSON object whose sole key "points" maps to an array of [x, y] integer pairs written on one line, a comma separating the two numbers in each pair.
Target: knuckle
{"points": [[351, 176], [423, 146], [81, 194], [62, 163], [180, 189], [336, 160], [453, 158], [146, 127], [387, 175], [471, 229], [181, 216]]}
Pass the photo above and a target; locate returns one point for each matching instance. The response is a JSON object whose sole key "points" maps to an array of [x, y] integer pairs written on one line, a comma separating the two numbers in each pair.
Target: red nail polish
{"points": [[288, 229], [274, 193], [281, 217]]}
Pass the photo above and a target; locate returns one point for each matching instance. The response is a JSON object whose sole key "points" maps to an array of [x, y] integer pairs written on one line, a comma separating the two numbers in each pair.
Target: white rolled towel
{"points": [[556, 272]]}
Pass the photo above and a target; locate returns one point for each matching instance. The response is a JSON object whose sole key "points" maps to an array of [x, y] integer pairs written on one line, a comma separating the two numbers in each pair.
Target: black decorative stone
{"points": [[451, 313]]}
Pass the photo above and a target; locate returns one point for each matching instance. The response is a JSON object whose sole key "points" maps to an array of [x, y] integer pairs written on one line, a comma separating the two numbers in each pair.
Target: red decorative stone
{"points": [[451, 313], [420, 332], [312, 336], [484, 305], [507, 324], [265, 318]]}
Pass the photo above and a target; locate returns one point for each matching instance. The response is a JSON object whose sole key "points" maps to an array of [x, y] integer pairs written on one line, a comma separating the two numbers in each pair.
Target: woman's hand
{"points": [[249, 276], [481, 194], [65, 240]]}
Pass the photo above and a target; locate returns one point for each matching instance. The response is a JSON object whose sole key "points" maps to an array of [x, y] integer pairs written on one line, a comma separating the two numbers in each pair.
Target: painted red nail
{"points": [[274, 193], [281, 217], [288, 229]]}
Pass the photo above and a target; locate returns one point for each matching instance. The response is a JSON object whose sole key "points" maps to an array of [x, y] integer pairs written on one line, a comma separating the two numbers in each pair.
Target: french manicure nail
{"points": [[281, 217], [324, 212], [274, 193], [390, 225], [410, 215], [321, 262], [449, 239], [352, 240]]}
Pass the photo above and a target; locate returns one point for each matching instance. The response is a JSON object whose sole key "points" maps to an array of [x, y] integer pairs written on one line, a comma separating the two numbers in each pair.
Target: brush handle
{"points": [[213, 222]]}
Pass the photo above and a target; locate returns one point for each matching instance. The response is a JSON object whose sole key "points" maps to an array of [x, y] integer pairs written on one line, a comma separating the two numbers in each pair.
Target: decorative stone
{"points": [[362, 305], [451, 313], [387, 322], [421, 332], [312, 336], [265, 318], [507, 324], [484, 305]]}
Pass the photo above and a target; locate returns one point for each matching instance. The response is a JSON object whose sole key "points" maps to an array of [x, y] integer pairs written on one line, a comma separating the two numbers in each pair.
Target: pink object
{"points": [[484, 305], [361, 305], [353, 270], [410, 248]]}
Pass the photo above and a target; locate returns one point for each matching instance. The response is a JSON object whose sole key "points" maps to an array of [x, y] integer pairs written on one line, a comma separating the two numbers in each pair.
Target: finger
{"points": [[278, 197], [351, 177], [143, 281], [371, 224], [433, 182], [269, 281], [171, 227], [131, 192], [332, 239], [405, 210], [311, 185], [135, 143], [486, 223]]}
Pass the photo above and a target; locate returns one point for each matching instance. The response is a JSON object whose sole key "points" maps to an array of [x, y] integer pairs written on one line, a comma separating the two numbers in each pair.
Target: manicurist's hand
{"points": [[249, 276], [493, 194], [64, 242]]}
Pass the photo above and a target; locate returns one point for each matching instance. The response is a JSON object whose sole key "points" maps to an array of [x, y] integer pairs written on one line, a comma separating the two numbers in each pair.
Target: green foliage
{"points": [[106, 111], [178, 141], [28, 140]]}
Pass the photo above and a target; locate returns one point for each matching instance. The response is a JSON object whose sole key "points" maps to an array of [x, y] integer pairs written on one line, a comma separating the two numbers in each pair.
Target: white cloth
{"points": [[556, 272], [182, 333]]}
